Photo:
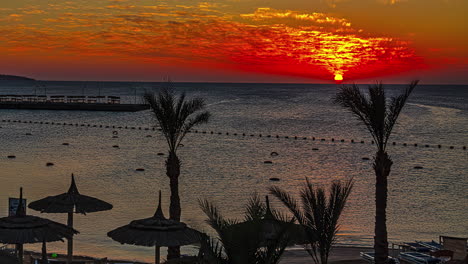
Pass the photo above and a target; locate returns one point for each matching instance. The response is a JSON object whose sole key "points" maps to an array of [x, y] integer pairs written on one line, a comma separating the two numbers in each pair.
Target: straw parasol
{"points": [[24, 229], [272, 228], [155, 231], [70, 202]]}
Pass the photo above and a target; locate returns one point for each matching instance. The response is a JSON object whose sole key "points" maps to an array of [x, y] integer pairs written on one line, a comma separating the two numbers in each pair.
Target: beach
{"points": [[224, 161]]}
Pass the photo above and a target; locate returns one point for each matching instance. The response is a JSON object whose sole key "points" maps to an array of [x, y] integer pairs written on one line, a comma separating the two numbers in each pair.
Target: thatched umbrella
{"points": [[155, 231], [24, 229], [70, 202], [271, 228]]}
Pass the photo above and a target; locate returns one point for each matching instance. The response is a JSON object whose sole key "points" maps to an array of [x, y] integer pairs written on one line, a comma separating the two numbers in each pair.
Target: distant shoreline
{"points": [[4, 77]]}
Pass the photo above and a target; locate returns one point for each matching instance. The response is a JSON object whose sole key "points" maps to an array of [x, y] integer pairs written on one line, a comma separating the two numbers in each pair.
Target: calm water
{"points": [[227, 169]]}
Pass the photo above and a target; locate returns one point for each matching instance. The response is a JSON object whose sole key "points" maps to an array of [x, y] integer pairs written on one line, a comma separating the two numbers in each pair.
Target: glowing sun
{"points": [[338, 77]]}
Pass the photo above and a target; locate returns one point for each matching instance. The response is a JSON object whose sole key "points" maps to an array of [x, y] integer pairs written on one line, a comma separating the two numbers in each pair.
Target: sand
{"points": [[339, 255]]}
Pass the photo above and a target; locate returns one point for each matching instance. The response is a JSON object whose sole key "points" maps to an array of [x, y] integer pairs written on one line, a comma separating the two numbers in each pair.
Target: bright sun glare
{"points": [[338, 77]]}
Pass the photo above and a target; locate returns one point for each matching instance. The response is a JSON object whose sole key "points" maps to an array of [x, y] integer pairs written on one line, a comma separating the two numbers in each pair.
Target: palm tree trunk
{"points": [[173, 172], [382, 166]]}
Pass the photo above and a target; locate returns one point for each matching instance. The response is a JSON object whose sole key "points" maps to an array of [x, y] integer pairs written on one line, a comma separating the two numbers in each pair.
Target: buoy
{"points": [[295, 137], [260, 135], [439, 146], [115, 146], [11, 156], [204, 132], [227, 133], [418, 167], [48, 164], [235, 134], [322, 139], [196, 131], [286, 137], [268, 136], [181, 145], [219, 133], [333, 140], [115, 132], [277, 136], [160, 154], [415, 144], [313, 138], [252, 135], [342, 140], [451, 147], [115, 136], [464, 147], [304, 138], [139, 128], [140, 169], [268, 162], [274, 154], [132, 127], [315, 149], [365, 158], [362, 141], [28, 134], [372, 142], [146, 128], [65, 144], [352, 140], [211, 132], [148, 136], [427, 146], [274, 179]]}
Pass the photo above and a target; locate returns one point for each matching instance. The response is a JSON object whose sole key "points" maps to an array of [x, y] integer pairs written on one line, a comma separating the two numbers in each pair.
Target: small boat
{"points": [[418, 258], [370, 256]]}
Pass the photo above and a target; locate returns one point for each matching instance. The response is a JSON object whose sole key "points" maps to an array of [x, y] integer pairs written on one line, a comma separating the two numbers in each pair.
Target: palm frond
{"points": [[289, 202], [377, 115]]}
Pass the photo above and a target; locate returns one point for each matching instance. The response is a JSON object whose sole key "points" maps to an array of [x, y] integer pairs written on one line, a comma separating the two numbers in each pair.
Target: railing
{"points": [[60, 99]]}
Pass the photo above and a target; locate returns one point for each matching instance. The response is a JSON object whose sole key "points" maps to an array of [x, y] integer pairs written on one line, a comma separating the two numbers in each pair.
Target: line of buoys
{"points": [[203, 132]]}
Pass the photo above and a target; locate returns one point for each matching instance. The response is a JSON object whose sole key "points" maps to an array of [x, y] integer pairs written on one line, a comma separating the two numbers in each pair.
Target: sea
{"points": [[224, 161]]}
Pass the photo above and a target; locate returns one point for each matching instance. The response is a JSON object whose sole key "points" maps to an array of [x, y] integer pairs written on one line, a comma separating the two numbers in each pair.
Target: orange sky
{"points": [[236, 40]]}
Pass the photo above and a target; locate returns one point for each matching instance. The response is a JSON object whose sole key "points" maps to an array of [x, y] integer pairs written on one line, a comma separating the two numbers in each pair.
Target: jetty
{"points": [[70, 102]]}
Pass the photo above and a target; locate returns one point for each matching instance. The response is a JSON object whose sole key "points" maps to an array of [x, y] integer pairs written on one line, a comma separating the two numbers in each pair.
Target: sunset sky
{"points": [[312, 41]]}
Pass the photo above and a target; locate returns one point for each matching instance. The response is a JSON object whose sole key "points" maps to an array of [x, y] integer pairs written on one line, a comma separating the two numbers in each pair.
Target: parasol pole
{"points": [[70, 240], [20, 253], [157, 254], [44, 252]]}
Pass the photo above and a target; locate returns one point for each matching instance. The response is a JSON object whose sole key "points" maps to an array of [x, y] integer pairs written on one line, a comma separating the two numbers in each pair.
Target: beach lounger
{"points": [[418, 258], [432, 245], [416, 247], [370, 256]]}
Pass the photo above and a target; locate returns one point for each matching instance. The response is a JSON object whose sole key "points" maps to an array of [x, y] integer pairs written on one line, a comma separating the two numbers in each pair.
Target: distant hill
{"points": [[14, 78]]}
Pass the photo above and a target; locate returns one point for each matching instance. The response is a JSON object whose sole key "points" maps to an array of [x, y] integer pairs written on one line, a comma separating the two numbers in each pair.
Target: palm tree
{"points": [[379, 115], [175, 115], [319, 216], [245, 242]]}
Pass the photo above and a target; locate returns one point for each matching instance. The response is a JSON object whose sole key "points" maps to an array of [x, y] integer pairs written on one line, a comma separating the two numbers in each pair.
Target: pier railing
{"points": [[60, 99]]}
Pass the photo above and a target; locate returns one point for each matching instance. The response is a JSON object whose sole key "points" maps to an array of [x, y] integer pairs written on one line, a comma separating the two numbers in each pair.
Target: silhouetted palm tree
{"points": [[175, 115], [318, 215], [245, 242], [379, 115]]}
